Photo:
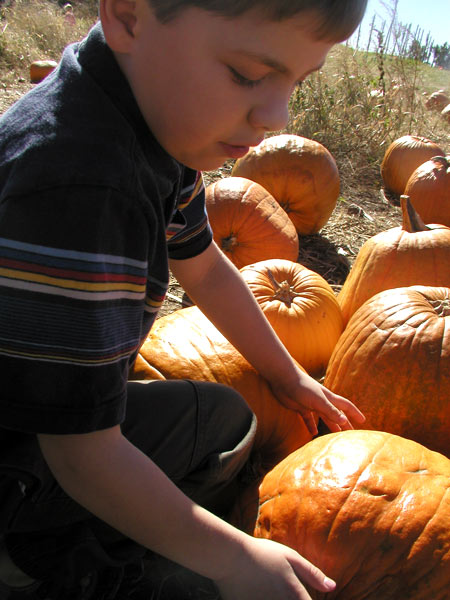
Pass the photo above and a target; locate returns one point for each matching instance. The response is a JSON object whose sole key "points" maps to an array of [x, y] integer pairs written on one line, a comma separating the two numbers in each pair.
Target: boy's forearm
{"points": [[227, 301], [115, 481]]}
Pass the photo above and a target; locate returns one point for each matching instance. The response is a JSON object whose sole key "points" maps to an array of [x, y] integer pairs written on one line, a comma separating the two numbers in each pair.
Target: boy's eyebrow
{"points": [[273, 63], [266, 60]]}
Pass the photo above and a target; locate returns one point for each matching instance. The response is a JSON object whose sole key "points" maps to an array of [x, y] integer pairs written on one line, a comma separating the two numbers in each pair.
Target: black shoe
{"points": [[47, 590], [8, 592], [12, 579], [163, 579]]}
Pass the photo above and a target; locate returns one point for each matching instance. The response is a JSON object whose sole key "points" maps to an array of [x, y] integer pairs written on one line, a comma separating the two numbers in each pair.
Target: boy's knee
{"points": [[225, 409]]}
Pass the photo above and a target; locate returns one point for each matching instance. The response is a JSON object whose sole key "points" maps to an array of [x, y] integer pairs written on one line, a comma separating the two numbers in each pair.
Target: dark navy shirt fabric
{"points": [[91, 208]]}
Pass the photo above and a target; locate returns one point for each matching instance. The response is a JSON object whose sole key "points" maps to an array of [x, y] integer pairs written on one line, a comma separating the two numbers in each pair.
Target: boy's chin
{"points": [[205, 163]]}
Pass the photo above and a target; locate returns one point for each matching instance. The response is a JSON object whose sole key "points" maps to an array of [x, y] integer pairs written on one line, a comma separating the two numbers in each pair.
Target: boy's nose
{"points": [[272, 114]]}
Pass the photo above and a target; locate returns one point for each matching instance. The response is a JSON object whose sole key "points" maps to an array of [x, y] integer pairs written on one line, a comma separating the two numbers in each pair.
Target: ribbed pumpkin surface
{"points": [[248, 224], [429, 190], [186, 345], [437, 100], [299, 173], [401, 256], [393, 362], [371, 509], [402, 158], [301, 307]]}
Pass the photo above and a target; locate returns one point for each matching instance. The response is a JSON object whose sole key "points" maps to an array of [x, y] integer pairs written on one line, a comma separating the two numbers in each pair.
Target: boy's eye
{"points": [[241, 80]]}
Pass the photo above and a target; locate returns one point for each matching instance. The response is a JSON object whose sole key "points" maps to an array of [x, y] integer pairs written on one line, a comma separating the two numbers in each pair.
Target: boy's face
{"points": [[211, 87]]}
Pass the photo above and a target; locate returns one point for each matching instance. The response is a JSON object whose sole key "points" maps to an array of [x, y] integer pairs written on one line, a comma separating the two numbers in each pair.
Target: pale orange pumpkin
{"points": [[301, 307], [437, 100], [301, 174], [402, 157], [445, 113], [412, 254], [248, 224], [186, 345], [393, 362], [428, 189], [371, 509], [39, 69]]}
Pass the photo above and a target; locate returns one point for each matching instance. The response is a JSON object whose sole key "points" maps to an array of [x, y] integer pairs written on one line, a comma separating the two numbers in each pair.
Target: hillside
{"points": [[355, 106]]}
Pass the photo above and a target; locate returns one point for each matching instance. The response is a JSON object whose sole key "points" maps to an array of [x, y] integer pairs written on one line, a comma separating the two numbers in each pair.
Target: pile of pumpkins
{"points": [[371, 507]]}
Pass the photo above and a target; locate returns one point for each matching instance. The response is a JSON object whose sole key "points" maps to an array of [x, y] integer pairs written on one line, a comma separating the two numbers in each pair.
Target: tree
{"points": [[417, 51], [441, 56]]}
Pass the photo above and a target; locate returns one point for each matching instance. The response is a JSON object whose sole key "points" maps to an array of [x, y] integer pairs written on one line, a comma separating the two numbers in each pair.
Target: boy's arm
{"points": [[218, 289], [115, 481]]}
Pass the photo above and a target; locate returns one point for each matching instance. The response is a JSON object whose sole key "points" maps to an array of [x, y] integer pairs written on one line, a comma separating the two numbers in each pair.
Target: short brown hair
{"points": [[337, 19]]}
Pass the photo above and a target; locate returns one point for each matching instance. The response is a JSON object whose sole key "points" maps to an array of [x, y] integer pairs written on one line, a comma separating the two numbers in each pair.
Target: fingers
{"points": [[310, 422], [313, 398], [312, 575], [338, 412], [346, 408]]}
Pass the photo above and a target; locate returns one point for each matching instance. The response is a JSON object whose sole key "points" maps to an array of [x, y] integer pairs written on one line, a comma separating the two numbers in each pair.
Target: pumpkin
{"points": [[142, 370], [369, 508], [186, 345], [437, 100], [248, 224], [393, 362], [446, 113], [299, 173], [412, 254], [301, 307], [402, 157], [39, 69], [428, 189]]}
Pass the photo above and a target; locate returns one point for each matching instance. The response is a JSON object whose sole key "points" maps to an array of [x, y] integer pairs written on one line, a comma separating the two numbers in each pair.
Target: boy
{"points": [[99, 187]]}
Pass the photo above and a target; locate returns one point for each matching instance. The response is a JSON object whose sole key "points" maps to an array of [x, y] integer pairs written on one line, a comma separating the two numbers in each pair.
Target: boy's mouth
{"points": [[234, 151]]}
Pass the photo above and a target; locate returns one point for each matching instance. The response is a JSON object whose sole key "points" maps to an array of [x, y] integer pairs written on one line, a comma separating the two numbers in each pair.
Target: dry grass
{"points": [[361, 102], [34, 30], [356, 105]]}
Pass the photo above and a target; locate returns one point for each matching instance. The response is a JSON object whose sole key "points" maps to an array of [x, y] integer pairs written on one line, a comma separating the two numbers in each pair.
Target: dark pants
{"points": [[200, 434]]}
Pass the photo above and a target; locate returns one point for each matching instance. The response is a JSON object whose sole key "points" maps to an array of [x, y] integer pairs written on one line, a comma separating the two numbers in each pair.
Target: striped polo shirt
{"points": [[91, 209]]}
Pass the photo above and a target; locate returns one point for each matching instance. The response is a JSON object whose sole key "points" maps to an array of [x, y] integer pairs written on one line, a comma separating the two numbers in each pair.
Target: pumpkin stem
{"points": [[444, 160], [442, 307], [283, 291], [229, 243], [411, 220]]}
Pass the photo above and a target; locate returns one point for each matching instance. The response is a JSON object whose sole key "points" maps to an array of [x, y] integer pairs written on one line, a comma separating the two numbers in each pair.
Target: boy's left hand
{"points": [[309, 398]]}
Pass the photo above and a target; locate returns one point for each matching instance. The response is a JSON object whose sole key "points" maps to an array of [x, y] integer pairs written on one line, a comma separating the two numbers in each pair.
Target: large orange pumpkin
{"points": [[371, 509], [186, 345], [412, 254], [248, 224], [301, 174], [301, 307], [393, 362], [402, 157], [428, 189]]}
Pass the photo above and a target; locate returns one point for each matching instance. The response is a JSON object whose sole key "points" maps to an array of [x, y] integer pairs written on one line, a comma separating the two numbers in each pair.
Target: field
{"points": [[340, 107], [355, 106]]}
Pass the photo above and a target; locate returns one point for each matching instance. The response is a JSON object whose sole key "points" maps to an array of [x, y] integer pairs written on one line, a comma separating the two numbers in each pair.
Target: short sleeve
{"points": [[189, 232]]}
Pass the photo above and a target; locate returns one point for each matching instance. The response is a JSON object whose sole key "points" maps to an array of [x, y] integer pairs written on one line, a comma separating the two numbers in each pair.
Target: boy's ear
{"points": [[118, 19]]}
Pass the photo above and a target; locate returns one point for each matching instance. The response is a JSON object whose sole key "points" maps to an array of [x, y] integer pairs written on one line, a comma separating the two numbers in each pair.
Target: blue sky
{"points": [[432, 16]]}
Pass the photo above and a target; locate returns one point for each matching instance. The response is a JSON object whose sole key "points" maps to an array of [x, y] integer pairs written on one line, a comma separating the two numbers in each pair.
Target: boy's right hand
{"points": [[271, 571]]}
